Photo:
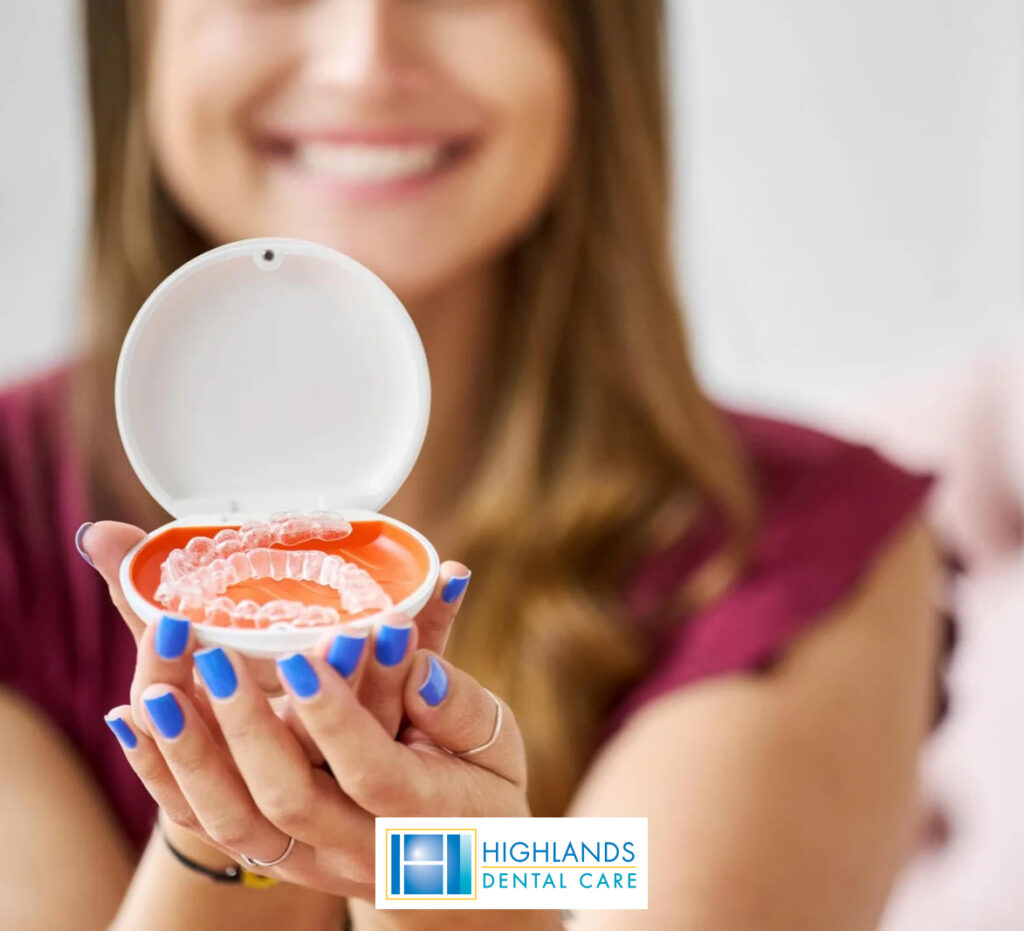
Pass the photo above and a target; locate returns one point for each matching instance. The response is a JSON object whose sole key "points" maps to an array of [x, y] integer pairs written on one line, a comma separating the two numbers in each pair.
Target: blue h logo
{"points": [[430, 864]]}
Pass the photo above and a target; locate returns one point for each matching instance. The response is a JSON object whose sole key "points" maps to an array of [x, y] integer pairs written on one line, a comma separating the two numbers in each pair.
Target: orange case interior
{"points": [[394, 558]]}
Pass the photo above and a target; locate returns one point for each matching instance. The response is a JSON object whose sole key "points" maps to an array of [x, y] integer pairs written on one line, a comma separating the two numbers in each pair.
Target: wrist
{"points": [[186, 842]]}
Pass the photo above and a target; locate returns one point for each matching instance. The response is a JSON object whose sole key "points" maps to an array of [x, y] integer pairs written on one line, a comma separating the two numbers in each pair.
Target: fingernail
{"points": [[217, 672], [171, 637], [391, 644], [165, 713], [78, 542], [300, 674], [454, 588], [345, 652], [123, 732], [435, 687]]}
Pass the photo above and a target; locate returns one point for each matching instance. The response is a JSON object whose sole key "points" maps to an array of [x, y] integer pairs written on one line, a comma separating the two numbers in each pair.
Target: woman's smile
{"points": [[366, 165]]}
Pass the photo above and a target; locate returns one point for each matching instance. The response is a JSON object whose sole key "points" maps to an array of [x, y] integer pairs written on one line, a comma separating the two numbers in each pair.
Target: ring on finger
{"points": [[252, 861], [494, 734]]}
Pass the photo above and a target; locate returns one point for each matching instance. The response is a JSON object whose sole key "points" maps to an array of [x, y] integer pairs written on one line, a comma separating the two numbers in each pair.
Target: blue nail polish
{"points": [[123, 732], [300, 674], [391, 644], [435, 688], [217, 672], [165, 713], [78, 542], [171, 637], [345, 652], [454, 588]]}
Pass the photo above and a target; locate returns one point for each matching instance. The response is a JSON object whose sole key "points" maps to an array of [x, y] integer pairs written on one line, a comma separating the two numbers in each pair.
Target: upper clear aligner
{"points": [[196, 577]]}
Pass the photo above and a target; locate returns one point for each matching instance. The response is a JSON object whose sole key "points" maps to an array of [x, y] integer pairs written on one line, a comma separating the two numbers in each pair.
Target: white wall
{"points": [[852, 191], [851, 183], [42, 181]]}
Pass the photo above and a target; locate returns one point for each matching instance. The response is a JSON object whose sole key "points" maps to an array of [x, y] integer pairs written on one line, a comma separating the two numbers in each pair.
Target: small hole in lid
{"points": [[268, 255]]}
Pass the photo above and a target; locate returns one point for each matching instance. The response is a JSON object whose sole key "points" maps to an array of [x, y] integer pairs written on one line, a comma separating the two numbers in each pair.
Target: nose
{"points": [[368, 45]]}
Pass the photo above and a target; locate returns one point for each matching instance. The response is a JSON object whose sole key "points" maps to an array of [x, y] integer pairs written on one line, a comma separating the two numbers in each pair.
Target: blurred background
{"points": [[851, 248], [851, 178]]}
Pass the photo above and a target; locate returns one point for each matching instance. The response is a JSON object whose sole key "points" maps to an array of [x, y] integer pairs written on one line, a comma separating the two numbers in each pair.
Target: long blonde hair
{"points": [[602, 442]]}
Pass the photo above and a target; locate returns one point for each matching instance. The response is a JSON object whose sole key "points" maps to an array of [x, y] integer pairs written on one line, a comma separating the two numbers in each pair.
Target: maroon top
{"points": [[828, 509]]}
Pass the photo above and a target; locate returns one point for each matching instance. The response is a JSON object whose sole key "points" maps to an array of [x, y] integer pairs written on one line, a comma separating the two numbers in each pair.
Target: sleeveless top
{"points": [[828, 508]]}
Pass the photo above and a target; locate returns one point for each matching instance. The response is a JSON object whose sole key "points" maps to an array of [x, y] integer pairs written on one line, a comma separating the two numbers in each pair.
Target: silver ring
{"points": [[252, 861], [494, 734]]}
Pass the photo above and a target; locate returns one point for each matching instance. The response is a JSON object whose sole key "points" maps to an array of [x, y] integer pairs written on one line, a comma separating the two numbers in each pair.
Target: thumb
{"points": [[106, 543]]}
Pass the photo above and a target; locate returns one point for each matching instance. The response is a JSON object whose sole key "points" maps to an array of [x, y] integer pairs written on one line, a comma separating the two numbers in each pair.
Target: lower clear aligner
{"points": [[195, 578]]}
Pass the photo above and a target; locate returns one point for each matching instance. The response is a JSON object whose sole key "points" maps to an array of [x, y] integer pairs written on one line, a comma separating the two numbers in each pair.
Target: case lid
{"points": [[272, 374]]}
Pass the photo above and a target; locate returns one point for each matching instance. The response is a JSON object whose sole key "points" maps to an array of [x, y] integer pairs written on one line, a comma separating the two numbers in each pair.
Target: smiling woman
{"points": [[381, 129], [713, 620]]}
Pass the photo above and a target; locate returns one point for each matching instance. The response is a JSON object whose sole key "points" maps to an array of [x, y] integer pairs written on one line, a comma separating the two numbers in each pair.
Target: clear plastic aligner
{"points": [[282, 529], [195, 578]]}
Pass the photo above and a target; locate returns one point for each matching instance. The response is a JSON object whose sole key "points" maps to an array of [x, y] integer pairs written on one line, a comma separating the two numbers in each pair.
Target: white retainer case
{"points": [[272, 395]]}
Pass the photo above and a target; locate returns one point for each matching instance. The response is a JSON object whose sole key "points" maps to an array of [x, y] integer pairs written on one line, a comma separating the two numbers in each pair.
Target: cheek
{"points": [[207, 65], [538, 129], [529, 88], [522, 80]]}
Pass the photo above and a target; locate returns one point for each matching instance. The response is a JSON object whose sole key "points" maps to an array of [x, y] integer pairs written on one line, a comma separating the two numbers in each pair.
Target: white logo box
{"points": [[514, 863]]}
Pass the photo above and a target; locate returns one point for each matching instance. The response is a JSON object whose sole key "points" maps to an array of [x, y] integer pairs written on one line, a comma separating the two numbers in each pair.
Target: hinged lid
{"points": [[272, 374]]}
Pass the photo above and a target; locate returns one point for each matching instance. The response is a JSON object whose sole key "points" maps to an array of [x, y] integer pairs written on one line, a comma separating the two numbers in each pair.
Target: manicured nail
{"points": [[123, 732], [78, 542], [391, 644], [345, 652], [435, 687], [217, 672], [171, 637], [300, 674], [454, 588], [165, 713]]}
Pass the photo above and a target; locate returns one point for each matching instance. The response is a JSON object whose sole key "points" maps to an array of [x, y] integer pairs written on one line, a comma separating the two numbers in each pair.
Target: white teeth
{"points": [[370, 163]]}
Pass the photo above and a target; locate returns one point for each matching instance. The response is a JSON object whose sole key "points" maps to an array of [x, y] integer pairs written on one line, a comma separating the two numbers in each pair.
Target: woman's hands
{"points": [[230, 770], [253, 788]]}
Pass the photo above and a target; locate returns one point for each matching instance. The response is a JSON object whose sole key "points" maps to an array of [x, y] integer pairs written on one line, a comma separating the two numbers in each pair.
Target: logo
{"points": [[511, 863], [431, 864]]}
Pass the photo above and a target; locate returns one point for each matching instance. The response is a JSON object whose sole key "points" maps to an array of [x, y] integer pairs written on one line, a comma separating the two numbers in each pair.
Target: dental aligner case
{"points": [[272, 395]]}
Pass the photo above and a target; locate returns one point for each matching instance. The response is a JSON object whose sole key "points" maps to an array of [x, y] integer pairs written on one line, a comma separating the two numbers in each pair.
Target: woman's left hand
{"points": [[266, 791]]}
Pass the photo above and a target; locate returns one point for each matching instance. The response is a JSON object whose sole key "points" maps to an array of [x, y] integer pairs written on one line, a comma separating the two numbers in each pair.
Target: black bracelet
{"points": [[232, 874]]}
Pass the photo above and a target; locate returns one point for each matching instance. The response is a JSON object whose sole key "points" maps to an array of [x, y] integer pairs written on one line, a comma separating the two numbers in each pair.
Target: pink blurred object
{"points": [[967, 869]]}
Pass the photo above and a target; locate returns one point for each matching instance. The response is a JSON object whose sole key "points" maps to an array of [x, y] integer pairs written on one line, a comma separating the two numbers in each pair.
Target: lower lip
{"points": [[372, 191]]}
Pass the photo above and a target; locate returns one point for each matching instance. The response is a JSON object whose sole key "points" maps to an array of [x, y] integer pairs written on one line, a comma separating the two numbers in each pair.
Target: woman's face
{"points": [[420, 137]]}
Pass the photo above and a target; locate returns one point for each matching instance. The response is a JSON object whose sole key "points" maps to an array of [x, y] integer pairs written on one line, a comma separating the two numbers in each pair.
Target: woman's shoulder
{"points": [[65, 649], [37, 456], [824, 499], [34, 416], [42, 502], [788, 457], [828, 508]]}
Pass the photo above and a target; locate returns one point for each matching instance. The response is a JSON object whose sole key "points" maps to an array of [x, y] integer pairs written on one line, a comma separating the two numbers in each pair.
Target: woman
{"points": [[717, 621]]}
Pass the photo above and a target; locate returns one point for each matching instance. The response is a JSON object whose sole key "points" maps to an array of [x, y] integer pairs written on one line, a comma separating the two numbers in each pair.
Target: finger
{"points": [[164, 655], [301, 800], [207, 778], [434, 622], [383, 675], [378, 773], [457, 713], [145, 759], [106, 543], [285, 710]]}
